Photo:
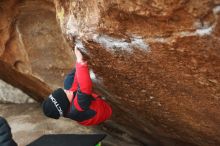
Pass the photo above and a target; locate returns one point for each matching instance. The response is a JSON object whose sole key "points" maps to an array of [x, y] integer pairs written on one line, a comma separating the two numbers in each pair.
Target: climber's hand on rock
{"points": [[79, 57]]}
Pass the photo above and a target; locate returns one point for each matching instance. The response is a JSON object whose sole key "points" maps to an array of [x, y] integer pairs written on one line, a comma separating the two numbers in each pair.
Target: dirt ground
{"points": [[28, 123]]}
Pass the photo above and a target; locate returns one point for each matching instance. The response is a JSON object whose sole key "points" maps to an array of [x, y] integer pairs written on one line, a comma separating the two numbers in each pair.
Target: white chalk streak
{"points": [[114, 44]]}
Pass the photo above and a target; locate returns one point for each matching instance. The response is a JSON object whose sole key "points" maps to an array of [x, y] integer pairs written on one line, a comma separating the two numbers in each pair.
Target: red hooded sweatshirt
{"points": [[82, 82]]}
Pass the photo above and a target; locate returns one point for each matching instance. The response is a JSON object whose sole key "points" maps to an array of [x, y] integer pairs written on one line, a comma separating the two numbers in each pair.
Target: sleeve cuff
{"points": [[79, 64]]}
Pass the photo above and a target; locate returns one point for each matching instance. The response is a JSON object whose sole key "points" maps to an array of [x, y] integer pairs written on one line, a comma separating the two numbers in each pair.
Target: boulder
{"points": [[157, 62]]}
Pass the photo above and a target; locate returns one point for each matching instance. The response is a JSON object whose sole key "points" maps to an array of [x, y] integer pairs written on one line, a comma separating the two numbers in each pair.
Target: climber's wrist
{"points": [[80, 61]]}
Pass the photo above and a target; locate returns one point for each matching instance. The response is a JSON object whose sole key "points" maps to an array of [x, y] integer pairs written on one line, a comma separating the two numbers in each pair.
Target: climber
{"points": [[77, 101], [5, 134]]}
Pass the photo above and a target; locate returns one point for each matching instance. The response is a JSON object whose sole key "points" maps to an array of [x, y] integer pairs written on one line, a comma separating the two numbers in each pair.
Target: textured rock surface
{"points": [[10, 94], [157, 62], [32, 44], [34, 57]]}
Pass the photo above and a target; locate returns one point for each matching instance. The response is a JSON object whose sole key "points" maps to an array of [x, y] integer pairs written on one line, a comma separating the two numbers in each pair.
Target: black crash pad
{"points": [[68, 140]]}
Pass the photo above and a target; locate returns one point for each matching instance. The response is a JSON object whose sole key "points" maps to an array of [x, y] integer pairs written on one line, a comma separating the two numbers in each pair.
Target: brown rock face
{"points": [[156, 61], [32, 45]]}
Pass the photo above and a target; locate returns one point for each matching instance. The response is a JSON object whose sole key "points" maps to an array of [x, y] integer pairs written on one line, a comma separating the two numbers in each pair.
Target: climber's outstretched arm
{"points": [[83, 78], [83, 96], [82, 74]]}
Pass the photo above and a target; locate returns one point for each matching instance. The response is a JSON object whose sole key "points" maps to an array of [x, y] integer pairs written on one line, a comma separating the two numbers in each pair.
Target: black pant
{"points": [[5, 134]]}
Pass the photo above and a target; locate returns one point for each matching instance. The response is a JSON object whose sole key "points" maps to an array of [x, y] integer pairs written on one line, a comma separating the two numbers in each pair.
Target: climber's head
{"points": [[56, 104]]}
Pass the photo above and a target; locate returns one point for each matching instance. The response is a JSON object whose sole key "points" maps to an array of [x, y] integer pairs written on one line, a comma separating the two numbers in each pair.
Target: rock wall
{"points": [[32, 46], [10, 94], [157, 62]]}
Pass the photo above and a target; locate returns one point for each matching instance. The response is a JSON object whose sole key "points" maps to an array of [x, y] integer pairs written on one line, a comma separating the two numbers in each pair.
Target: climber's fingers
{"points": [[79, 56]]}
